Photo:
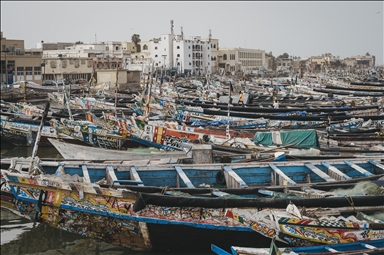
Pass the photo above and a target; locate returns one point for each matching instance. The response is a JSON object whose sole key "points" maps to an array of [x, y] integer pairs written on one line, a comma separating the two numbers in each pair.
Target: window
{"points": [[83, 61], [225, 57], [28, 70], [77, 63], [189, 63], [71, 61], [178, 47], [117, 47], [156, 48], [89, 63], [53, 63], [64, 63], [2, 47], [155, 56], [165, 49], [20, 71], [37, 70], [145, 47], [214, 46], [11, 48], [189, 47], [107, 48], [18, 51], [178, 55], [189, 55]]}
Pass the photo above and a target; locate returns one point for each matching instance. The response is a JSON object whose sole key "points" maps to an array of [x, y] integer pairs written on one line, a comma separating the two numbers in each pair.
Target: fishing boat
{"points": [[355, 248], [76, 151], [141, 206], [308, 227], [23, 133]]}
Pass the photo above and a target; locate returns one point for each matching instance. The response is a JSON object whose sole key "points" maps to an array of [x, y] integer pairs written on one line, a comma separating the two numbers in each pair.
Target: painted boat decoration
{"points": [[366, 247], [24, 134], [292, 227]]}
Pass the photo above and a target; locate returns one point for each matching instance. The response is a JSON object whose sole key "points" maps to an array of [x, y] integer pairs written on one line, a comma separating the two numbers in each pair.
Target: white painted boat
{"points": [[75, 151]]}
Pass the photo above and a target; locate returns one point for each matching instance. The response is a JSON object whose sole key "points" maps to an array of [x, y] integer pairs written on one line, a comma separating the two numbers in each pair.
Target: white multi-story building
{"points": [[174, 53]]}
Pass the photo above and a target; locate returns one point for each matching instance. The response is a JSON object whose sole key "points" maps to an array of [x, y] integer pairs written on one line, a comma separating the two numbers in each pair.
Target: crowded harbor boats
{"points": [[178, 160]]}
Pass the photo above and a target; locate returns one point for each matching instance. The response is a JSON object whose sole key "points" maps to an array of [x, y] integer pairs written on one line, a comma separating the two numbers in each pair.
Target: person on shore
{"points": [[276, 104], [241, 99]]}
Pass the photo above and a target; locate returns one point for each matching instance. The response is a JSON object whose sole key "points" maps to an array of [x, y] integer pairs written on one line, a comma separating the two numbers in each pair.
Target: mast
{"points": [[229, 105], [37, 141]]}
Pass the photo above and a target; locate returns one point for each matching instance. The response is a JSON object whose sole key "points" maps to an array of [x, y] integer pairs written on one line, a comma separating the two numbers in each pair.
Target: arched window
{"points": [[178, 47], [155, 56], [178, 55], [214, 46], [145, 47], [156, 48], [225, 57]]}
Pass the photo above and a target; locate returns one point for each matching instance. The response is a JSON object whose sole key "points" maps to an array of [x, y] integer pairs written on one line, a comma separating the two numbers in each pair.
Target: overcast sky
{"points": [[299, 28]]}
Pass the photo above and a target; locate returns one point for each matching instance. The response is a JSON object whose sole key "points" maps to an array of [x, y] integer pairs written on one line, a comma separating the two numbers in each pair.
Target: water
{"points": [[20, 236]]}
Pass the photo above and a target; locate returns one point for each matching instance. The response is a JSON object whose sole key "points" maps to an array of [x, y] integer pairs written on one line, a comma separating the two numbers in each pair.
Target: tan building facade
{"points": [[18, 63], [241, 60]]}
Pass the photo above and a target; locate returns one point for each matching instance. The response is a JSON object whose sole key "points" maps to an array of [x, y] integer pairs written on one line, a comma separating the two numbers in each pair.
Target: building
{"points": [[175, 54], [80, 61], [236, 60], [18, 63]]}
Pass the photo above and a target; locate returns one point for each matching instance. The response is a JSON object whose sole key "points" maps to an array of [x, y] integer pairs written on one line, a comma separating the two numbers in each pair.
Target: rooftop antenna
{"points": [[182, 34], [172, 26], [95, 38]]}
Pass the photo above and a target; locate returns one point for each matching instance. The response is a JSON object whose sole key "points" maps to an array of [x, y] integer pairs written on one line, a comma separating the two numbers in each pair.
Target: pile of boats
{"points": [[180, 166]]}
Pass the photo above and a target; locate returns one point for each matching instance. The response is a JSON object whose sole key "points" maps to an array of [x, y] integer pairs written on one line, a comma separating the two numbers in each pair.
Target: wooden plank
{"points": [[232, 179], [111, 176], [320, 173], [335, 173], [218, 193], [368, 246], [85, 173], [330, 249], [281, 174], [184, 177], [135, 176], [358, 168], [376, 164]]}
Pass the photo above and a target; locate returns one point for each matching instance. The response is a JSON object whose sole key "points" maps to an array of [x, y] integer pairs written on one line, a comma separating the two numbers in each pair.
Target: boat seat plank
{"points": [[376, 164], [281, 174], [320, 173], [111, 176], [18, 166], [85, 173], [358, 168], [232, 179], [368, 246], [218, 193], [135, 176], [335, 173], [330, 249], [183, 176]]}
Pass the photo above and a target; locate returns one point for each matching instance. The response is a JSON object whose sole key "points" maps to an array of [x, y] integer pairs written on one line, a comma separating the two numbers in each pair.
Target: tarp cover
{"points": [[295, 138]]}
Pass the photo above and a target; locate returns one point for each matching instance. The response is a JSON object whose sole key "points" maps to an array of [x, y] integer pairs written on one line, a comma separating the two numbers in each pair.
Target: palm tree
{"points": [[136, 39]]}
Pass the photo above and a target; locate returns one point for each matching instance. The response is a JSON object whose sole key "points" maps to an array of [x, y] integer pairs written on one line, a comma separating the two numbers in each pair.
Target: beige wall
{"points": [[124, 76]]}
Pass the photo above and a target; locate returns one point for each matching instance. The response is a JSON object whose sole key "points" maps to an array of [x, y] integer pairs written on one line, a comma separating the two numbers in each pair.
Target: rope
{"points": [[350, 201], [164, 190]]}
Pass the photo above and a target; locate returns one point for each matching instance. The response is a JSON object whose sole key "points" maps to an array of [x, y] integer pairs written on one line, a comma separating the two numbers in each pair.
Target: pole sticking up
{"points": [[37, 141]]}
